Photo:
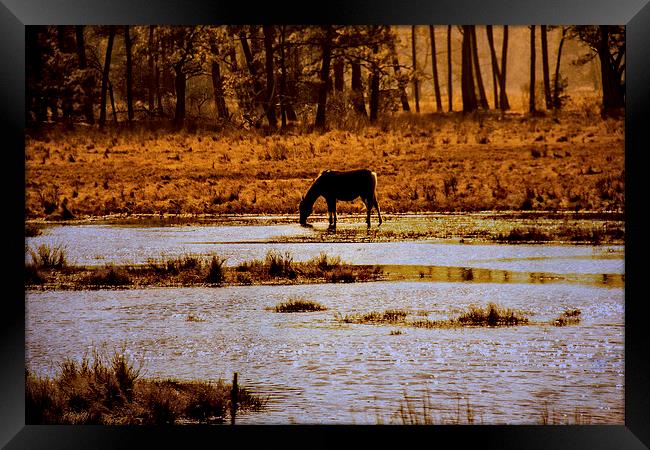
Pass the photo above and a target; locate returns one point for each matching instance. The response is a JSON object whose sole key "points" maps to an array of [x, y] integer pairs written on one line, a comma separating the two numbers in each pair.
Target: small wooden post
{"points": [[233, 399]]}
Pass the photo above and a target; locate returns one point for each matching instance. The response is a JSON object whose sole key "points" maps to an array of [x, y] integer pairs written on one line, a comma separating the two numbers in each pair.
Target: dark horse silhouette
{"points": [[338, 185]]}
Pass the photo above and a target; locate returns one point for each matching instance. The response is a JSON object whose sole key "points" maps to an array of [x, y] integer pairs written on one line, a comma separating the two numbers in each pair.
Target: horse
{"points": [[341, 185]]}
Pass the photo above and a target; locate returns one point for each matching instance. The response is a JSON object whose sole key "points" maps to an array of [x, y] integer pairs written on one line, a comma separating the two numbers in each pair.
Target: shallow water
{"points": [[316, 369], [101, 244]]}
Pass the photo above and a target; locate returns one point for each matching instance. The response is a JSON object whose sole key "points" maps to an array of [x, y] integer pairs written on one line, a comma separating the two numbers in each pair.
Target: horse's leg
{"points": [[376, 204], [331, 210], [334, 213], [368, 210]]}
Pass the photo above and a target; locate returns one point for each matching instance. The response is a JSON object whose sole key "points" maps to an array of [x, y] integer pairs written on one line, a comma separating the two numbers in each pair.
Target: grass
{"points": [[298, 305], [189, 270], [490, 316], [108, 276], [48, 257], [111, 391], [568, 317], [424, 162]]}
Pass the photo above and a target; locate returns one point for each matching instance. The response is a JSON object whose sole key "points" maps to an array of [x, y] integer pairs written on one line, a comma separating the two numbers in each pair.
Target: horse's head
{"points": [[305, 211]]}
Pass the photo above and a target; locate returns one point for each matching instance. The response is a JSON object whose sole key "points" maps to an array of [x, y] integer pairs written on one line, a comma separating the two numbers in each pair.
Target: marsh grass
{"points": [[102, 390], [108, 276], [568, 317], [216, 271], [48, 256], [298, 305], [491, 316]]}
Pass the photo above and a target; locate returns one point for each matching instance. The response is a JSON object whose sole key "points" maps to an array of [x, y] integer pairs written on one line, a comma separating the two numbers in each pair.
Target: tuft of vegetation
{"points": [[111, 391], [108, 276], [280, 265], [298, 305], [216, 271], [491, 316], [48, 257], [391, 316], [530, 234], [568, 317]]}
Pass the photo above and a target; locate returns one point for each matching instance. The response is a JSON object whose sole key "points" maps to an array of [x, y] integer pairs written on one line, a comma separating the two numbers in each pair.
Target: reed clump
{"points": [[111, 391], [48, 257], [568, 317], [298, 305], [491, 316]]}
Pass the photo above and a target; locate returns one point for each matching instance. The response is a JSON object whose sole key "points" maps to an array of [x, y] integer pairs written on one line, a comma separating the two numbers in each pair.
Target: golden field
{"points": [[425, 162]]}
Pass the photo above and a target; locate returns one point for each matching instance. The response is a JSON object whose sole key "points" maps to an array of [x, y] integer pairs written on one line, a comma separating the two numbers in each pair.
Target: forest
{"points": [[272, 76]]}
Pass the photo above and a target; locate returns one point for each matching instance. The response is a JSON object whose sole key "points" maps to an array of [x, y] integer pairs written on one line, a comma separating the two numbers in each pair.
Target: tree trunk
{"points": [[358, 100], [88, 82], [556, 78], [434, 68], [152, 76], [110, 93], [326, 47], [477, 69], [416, 93], [400, 83], [503, 97], [179, 85], [612, 96], [105, 73], [531, 103], [374, 87], [339, 69], [217, 88], [547, 81], [129, 73], [248, 56], [467, 79], [269, 103], [449, 85], [496, 75]]}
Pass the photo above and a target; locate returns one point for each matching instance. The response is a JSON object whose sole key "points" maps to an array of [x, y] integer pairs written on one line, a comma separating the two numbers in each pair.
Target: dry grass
{"points": [[298, 305], [490, 316], [425, 162], [191, 270], [568, 317], [110, 391]]}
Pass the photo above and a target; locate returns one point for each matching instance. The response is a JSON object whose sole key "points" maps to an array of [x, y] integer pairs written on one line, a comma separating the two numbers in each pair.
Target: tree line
{"points": [[272, 75]]}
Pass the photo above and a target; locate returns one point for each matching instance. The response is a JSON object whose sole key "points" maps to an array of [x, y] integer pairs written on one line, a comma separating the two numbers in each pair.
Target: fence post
{"points": [[233, 399]]}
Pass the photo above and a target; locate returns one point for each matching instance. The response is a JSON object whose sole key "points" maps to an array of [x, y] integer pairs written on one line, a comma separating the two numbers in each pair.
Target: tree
{"points": [[269, 101], [557, 100], [398, 74], [326, 49], [129, 73], [531, 98], [105, 75], [415, 68], [88, 82], [477, 69], [358, 100], [547, 81], [503, 98], [470, 103], [608, 43], [499, 74], [434, 68], [449, 86]]}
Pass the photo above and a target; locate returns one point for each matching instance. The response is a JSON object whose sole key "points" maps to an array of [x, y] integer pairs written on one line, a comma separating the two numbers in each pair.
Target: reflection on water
{"points": [[317, 370]]}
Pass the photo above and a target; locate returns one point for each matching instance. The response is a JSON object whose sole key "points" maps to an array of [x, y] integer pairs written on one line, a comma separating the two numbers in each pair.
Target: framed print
{"points": [[376, 222]]}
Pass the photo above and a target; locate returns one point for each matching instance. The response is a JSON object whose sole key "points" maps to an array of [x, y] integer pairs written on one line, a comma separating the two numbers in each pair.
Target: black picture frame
{"points": [[635, 14]]}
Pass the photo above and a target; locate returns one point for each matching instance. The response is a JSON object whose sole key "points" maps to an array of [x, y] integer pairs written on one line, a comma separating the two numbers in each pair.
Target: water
{"points": [[101, 244], [316, 369]]}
